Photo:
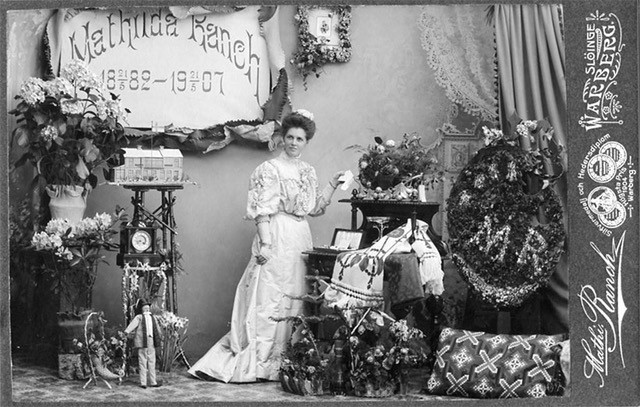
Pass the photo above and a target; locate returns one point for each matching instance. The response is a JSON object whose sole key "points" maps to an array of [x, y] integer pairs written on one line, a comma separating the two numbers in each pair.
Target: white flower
{"points": [[71, 107], [531, 124], [511, 171], [479, 181], [491, 135], [86, 226], [103, 220], [48, 133], [64, 253], [112, 108], [465, 198], [390, 143], [57, 227], [80, 76], [32, 91], [41, 241], [305, 113], [58, 86], [380, 148]]}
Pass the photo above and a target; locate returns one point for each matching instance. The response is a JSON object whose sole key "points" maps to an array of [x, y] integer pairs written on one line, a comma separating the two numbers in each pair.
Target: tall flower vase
{"points": [[67, 202]]}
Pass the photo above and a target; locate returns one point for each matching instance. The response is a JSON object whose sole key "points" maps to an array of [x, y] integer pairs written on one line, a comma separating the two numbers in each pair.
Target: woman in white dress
{"points": [[283, 191]]}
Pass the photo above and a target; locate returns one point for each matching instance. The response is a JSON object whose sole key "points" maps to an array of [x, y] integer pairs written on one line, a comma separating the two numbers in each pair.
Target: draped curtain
{"points": [[460, 49], [531, 66]]}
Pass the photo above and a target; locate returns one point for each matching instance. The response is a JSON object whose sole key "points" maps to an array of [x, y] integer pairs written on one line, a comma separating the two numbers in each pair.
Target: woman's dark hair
{"points": [[296, 120]]}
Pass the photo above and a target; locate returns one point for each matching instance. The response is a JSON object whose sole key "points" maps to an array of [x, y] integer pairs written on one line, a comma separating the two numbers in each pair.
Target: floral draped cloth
{"points": [[357, 275]]}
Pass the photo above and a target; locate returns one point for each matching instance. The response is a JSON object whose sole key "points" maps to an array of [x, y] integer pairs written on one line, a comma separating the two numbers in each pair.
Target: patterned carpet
{"points": [[35, 384]]}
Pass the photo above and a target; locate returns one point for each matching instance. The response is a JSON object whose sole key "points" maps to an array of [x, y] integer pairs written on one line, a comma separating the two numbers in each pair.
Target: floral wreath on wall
{"points": [[505, 221], [313, 51]]}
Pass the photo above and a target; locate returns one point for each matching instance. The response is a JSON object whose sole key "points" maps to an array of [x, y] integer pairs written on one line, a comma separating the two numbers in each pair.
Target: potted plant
{"points": [[407, 352], [304, 365], [174, 334], [405, 165], [70, 127], [70, 256], [381, 353]]}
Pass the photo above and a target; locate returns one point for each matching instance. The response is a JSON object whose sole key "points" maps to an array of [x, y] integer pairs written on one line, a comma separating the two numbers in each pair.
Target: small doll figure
{"points": [[146, 337]]}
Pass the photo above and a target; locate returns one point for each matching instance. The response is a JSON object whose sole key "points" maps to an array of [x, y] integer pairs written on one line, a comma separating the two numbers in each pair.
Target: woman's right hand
{"points": [[264, 254]]}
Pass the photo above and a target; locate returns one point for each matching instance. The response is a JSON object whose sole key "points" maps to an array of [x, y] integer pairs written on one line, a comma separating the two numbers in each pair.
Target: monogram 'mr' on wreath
{"points": [[506, 240]]}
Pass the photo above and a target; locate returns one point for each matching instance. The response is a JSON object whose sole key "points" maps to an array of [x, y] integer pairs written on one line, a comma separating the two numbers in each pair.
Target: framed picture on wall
{"points": [[323, 23]]}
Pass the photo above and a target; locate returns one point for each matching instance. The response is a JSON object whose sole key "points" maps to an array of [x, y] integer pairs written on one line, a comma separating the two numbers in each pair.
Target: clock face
{"points": [[141, 240]]}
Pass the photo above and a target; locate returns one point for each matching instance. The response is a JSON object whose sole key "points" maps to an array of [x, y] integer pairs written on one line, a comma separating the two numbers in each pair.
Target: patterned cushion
{"points": [[481, 365]]}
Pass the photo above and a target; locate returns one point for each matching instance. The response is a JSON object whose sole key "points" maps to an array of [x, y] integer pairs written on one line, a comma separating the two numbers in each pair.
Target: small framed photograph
{"points": [[347, 239]]}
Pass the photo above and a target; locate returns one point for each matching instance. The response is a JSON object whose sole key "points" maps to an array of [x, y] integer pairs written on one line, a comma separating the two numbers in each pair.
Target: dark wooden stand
{"points": [[163, 215], [399, 212]]}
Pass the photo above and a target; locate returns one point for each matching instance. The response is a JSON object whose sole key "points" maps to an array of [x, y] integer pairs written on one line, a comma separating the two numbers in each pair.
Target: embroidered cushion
{"points": [[482, 365]]}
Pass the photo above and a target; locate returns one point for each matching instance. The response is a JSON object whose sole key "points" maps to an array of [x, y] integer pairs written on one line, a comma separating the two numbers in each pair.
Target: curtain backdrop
{"points": [[531, 66], [460, 49]]}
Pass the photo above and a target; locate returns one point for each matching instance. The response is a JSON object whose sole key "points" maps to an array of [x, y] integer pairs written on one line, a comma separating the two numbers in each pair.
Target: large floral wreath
{"points": [[505, 238]]}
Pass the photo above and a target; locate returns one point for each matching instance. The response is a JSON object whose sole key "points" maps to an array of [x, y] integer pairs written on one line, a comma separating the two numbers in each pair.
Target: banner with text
{"points": [[194, 72]]}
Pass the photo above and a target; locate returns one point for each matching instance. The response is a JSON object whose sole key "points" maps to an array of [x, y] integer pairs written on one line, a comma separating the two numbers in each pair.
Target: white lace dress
{"points": [[286, 190]]}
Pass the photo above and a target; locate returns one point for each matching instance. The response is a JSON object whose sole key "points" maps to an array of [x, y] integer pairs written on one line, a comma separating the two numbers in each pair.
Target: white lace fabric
{"points": [[460, 49]]}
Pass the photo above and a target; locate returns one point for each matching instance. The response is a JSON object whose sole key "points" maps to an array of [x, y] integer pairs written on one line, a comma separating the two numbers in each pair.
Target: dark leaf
{"points": [[22, 159], [93, 180], [378, 140], [21, 135]]}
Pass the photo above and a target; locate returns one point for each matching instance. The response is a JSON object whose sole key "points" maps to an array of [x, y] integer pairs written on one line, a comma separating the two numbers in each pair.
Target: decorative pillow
{"points": [[481, 365]]}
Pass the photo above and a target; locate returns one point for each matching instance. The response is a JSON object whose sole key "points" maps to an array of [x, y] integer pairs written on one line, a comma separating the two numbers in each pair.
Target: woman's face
{"points": [[295, 141]]}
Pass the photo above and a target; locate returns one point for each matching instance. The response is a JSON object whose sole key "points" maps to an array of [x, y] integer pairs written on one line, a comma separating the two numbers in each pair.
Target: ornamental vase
{"points": [[369, 389], [67, 202], [303, 387]]}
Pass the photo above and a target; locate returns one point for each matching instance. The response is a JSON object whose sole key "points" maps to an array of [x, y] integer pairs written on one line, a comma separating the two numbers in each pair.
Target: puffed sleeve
{"points": [[323, 197], [264, 192]]}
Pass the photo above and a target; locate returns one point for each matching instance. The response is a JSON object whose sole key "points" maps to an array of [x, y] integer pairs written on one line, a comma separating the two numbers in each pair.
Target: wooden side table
{"points": [[398, 212]]}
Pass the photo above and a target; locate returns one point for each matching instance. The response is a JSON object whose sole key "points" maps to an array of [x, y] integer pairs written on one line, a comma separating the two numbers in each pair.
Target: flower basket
{"points": [[373, 390], [303, 387]]}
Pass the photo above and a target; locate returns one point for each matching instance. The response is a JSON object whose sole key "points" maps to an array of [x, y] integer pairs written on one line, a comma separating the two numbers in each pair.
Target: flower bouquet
{"points": [[392, 170], [72, 254], [174, 334], [304, 367]]}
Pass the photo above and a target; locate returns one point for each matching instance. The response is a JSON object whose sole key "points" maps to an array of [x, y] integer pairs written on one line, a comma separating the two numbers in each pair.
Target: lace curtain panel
{"points": [[460, 49]]}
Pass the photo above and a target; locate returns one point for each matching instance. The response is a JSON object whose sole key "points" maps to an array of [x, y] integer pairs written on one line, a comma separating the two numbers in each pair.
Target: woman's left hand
{"points": [[336, 180]]}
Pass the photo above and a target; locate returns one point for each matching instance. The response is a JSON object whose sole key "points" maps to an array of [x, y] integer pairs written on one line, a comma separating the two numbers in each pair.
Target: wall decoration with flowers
{"points": [[505, 220], [323, 34]]}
